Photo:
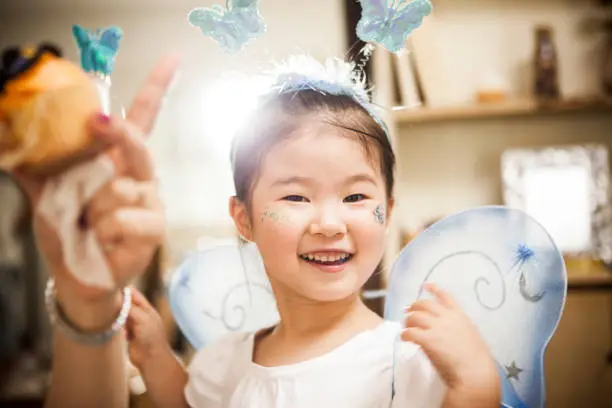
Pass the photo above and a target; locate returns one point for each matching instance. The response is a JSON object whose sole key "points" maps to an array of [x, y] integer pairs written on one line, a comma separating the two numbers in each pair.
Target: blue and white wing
{"points": [[220, 290], [505, 271]]}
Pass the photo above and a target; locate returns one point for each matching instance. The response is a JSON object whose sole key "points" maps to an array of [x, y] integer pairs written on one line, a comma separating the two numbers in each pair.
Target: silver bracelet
{"points": [[59, 319]]}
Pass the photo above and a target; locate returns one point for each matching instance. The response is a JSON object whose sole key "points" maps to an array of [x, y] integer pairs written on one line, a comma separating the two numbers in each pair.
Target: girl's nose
{"points": [[328, 223]]}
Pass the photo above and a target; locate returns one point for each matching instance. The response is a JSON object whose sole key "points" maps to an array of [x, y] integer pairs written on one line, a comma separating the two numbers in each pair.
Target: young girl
{"points": [[314, 182]]}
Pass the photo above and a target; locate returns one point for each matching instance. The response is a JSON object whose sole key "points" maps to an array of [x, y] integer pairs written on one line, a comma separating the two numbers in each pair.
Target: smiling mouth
{"points": [[330, 260]]}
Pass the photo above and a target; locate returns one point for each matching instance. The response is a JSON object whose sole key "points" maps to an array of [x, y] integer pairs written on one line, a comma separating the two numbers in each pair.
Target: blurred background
{"points": [[497, 102]]}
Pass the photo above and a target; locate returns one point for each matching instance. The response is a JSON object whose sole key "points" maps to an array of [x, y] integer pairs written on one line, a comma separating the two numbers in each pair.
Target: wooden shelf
{"points": [[595, 281], [505, 109]]}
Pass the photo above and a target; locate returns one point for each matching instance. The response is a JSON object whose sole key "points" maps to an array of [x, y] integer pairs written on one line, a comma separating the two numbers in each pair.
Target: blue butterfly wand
{"points": [[98, 49]]}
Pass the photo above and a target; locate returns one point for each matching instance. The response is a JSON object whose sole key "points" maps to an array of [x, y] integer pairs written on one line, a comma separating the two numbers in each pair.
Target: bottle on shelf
{"points": [[546, 65]]}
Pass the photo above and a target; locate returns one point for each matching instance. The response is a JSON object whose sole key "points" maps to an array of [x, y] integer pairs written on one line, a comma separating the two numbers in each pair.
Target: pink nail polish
{"points": [[103, 118]]}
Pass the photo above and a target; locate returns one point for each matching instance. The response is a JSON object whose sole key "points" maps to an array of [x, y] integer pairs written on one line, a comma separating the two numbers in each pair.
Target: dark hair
{"points": [[16, 61], [279, 115]]}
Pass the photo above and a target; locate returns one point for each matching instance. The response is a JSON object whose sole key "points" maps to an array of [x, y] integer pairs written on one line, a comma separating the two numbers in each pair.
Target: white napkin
{"points": [[63, 200]]}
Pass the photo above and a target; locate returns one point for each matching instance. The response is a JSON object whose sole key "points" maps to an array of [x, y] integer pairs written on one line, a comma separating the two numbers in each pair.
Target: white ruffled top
{"points": [[358, 374]]}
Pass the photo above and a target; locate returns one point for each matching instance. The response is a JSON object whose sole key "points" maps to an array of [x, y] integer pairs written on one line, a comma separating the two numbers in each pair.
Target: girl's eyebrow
{"points": [[361, 177], [292, 180]]}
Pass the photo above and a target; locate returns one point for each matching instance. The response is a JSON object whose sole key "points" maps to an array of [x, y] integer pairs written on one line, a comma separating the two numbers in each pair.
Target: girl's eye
{"points": [[295, 198], [353, 198]]}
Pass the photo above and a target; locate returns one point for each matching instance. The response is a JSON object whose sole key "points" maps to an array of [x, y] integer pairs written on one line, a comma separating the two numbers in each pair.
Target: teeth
{"points": [[325, 258]]}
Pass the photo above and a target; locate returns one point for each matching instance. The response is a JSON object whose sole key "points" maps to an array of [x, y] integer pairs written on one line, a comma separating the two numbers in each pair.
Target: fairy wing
{"points": [[219, 290], [390, 26], [505, 271]]}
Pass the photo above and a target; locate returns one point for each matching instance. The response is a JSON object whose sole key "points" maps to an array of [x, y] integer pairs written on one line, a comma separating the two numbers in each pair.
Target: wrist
{"points": [[482, 390], [90, 314], [157, 355]]}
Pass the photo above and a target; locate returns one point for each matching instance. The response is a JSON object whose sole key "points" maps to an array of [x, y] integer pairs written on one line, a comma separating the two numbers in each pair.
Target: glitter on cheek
{"points": [[379, 214], [278, 216], [270, 214]]}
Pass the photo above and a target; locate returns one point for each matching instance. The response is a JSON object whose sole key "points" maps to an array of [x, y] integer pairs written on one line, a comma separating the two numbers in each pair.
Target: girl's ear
{"points": [[240, 215], [390, 205]]}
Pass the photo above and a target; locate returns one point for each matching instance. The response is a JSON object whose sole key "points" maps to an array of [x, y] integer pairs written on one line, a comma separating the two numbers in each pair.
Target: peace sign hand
{"points": [[125, 214]]}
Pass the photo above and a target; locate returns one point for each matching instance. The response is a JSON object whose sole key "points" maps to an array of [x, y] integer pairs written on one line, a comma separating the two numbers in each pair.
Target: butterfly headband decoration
{"points": [[391, 25], [388, 25], [301, 72], [232, 27], [380, 23], [98, 48], [334, 77]]}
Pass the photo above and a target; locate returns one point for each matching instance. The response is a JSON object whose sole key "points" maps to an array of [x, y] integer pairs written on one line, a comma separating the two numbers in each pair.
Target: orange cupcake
{"points": [[45, 101]]}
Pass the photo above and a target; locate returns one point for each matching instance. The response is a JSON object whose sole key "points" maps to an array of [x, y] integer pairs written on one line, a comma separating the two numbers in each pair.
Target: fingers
{"points": [[442, 297], [139, 300], [426, 305], [128, 259], [134, 225], [130, 134], [132, 155], [135, 317], [149, 99], [121, 193], [421, 320], [414, 335]]}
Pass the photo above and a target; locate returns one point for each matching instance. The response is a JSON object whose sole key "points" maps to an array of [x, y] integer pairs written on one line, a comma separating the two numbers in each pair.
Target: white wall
{"points": [[466, 43]]}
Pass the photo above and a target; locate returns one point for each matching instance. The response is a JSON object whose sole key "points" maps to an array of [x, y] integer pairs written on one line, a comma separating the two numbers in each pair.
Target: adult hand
{"points": [[125, 214]]}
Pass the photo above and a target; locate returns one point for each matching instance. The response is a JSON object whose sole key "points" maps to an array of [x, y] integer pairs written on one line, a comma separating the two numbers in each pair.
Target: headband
{"points": [[334, 77], [386, 25]]}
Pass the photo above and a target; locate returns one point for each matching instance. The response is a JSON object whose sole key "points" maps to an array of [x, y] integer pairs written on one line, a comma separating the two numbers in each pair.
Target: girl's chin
{"points": [[331, 292]]}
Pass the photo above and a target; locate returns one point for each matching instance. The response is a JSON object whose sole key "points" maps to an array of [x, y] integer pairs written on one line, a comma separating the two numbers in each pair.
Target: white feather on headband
{"points": [[333, 77]]}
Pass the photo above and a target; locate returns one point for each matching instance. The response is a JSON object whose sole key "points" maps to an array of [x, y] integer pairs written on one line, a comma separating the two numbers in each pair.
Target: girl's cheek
{"points": [[272, 215], [379, 213], [283, 219], [368, 216]]}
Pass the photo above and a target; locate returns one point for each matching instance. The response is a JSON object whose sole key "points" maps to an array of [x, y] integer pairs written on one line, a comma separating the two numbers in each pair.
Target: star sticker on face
{"points": [[513, 371]]}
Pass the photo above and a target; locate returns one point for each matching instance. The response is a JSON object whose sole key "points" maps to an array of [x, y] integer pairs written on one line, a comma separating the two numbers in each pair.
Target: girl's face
{"points": [[318, 215]]}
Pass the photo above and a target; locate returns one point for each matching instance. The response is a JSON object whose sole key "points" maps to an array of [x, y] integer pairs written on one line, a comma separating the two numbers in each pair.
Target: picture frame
{"points": [[567, 190]]}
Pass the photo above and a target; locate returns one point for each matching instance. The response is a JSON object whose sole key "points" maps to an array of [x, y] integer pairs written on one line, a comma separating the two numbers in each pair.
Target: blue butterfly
{"points": [[391, 25], [98, 49], [231, 27]]}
